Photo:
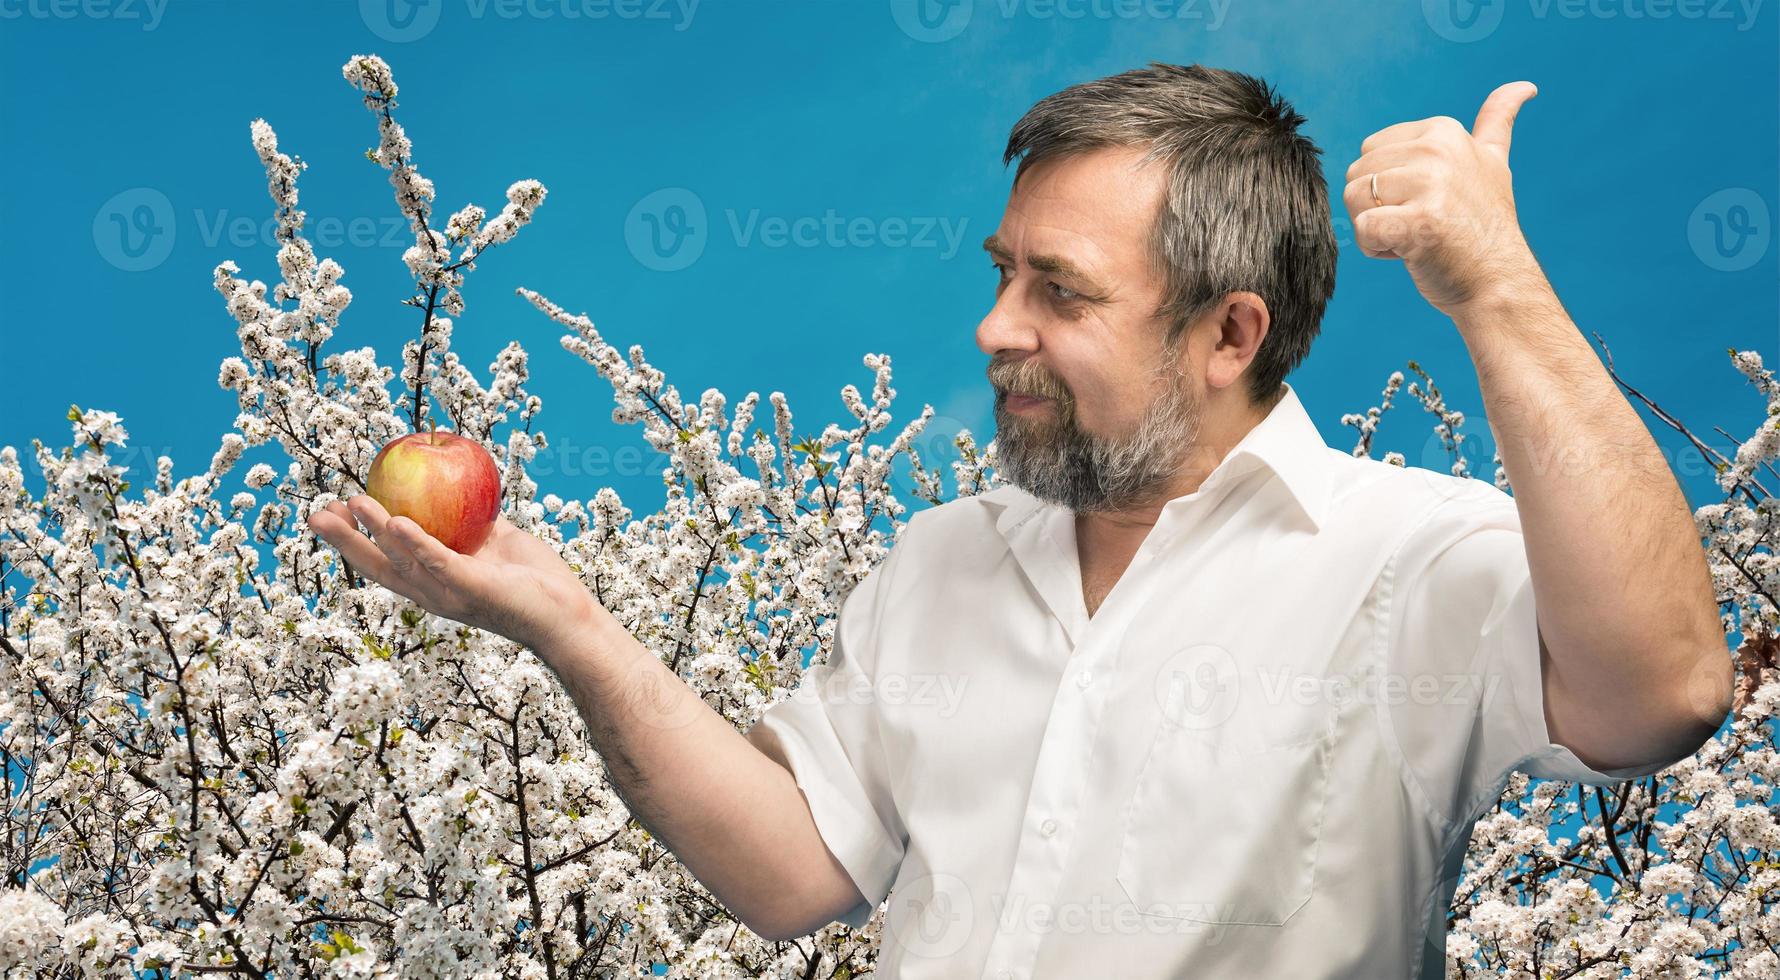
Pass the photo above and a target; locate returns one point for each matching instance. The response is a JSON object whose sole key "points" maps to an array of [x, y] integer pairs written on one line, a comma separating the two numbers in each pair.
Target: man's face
{"points": [[1074, 323]]}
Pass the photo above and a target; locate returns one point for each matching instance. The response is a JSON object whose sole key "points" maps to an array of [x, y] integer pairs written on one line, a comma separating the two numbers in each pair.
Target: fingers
{"points": [[399, 555], [337, 526], [1495, 121], [1493, 127], [1397, 185], [1383, 158], [1382, 228], [426, 554], [1383, 233], [1405, 131], [399, 538], [369, 512]]}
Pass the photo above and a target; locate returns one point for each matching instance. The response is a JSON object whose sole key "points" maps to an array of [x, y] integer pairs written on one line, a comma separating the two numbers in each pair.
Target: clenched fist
{"points": [[1445, 203]]}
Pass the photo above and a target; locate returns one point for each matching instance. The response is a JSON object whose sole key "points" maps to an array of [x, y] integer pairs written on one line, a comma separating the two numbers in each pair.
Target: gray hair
{"points": [[1247, 207]]}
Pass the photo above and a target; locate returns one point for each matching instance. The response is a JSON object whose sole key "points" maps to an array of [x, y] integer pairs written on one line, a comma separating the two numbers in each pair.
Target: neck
{"points": [[1228, 416]]}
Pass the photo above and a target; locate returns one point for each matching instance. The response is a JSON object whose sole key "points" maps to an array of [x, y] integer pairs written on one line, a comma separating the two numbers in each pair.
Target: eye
{"points": [[1062, 292]]}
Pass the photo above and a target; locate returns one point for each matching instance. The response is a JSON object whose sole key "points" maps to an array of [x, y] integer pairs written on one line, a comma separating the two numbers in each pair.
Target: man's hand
{"points": [[514, 585], [1446, 204]]}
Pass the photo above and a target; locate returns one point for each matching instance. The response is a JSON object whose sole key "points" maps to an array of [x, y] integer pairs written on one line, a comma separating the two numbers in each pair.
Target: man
{"points": [[1231, 700]]}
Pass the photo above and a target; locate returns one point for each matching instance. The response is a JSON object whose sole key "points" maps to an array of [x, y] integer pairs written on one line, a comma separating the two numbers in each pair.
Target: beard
{"points": [[1048, 454]]}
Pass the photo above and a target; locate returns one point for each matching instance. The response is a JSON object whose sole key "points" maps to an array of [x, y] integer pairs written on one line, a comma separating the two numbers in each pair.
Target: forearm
{"points": [[733, 816], [1624, 595]]}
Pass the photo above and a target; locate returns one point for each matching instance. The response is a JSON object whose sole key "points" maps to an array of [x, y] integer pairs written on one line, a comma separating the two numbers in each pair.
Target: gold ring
{"points": [[1375, 201]]}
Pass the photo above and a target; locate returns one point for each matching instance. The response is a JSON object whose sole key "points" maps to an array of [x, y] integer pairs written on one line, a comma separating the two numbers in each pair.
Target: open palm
{"points": [[514, 585]]}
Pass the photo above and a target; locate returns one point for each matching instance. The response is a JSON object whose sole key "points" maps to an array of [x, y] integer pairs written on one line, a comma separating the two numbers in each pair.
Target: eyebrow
{"points": [[1055, 265]]}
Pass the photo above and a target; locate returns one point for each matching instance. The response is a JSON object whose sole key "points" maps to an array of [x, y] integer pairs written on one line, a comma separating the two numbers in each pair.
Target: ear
{"points": [[1237, 326]]}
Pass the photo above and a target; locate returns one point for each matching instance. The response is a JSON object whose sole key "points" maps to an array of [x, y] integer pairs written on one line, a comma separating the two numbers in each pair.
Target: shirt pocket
{"points": [[1223, 824]]}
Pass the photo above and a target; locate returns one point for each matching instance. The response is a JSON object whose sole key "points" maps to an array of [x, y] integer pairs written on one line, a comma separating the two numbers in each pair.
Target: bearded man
{"points": [[1193, 693]]}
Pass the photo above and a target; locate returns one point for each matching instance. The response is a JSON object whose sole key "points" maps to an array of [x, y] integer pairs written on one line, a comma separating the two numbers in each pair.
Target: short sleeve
{"points": [[1466, 696], [830, 741]]}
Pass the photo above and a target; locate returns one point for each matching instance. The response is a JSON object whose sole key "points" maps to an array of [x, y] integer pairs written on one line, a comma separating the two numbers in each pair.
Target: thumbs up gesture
{"points": [[1441, 199]]}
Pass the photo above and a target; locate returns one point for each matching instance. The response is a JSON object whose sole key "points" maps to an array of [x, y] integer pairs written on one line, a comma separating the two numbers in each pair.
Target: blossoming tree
{"points": [[220, 765]]}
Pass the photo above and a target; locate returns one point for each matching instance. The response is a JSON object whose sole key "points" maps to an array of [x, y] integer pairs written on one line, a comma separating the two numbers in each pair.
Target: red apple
{"points": [[442, 481]]}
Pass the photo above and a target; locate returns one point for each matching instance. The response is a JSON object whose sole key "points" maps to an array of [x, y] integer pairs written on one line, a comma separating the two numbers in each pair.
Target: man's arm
{"points": [[729, 810], [1634, 664], [721, 802]]}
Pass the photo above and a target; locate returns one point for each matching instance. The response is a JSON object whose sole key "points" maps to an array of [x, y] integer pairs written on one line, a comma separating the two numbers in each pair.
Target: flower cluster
{"points": [[229, 753]]}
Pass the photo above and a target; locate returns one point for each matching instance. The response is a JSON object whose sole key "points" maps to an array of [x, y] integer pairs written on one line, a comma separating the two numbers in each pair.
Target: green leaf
{"points": [[376, 648]]}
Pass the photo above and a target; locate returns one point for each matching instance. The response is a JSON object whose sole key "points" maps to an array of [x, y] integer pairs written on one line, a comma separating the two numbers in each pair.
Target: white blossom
{"points": [[303, 743], [30, 927]]}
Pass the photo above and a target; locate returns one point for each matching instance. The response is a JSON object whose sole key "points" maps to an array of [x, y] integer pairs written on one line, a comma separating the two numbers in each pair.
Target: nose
{"points": [[1005, 327]]}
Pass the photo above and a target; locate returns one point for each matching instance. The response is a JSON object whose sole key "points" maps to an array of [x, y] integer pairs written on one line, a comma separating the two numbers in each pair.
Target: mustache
{"points": [[1026, 377]]}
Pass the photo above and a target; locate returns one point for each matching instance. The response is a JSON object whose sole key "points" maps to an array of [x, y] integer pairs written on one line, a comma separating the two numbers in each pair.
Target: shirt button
{"points": [[1048, 828], [1083, 679]]}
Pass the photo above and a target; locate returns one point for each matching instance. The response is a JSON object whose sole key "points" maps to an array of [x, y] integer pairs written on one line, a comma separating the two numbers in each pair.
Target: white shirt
{"points": [[1261, 757]]}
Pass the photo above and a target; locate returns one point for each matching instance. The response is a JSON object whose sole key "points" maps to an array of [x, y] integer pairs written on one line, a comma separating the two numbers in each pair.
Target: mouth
{"points": [[1020, 403]]}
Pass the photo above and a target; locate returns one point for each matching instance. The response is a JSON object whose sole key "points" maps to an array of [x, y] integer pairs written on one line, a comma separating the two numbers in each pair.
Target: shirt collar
{"points": [[1286, 443]]}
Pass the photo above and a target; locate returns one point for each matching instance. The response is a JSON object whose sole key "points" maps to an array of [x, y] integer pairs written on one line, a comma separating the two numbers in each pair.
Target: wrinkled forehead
{"points": [[1095, 208]]}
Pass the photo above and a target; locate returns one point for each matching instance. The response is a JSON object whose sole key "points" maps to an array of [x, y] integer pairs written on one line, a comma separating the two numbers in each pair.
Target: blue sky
{"points": [[869, 115], [1646, 175]]}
